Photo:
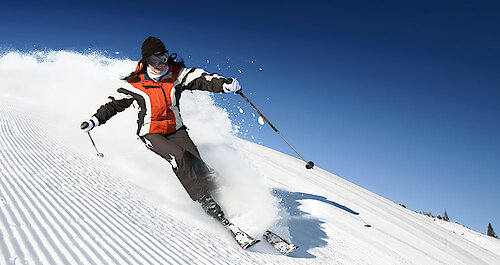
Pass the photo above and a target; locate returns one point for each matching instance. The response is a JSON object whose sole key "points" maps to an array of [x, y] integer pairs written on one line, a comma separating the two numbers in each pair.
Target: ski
{"points": [[282, 245], [244, 240]]}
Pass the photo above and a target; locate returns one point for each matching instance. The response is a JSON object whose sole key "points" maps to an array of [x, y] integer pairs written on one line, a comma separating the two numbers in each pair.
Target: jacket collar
{"points": [[167, 73]]}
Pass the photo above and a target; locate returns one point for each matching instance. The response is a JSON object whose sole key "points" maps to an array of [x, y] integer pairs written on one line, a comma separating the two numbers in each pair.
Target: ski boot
{"points": [[211, 207]]}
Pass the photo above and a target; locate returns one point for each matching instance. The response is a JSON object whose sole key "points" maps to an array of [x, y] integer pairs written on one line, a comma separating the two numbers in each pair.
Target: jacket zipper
{"points": [[166, 101]]}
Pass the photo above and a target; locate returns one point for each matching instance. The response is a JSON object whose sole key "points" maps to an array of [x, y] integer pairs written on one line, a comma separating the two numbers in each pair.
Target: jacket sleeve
{"points": [[198, 79], [117, 103]]}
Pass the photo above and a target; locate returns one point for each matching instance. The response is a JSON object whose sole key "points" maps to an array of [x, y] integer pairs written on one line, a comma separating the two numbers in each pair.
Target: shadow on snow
{"points": [[305, 230]]}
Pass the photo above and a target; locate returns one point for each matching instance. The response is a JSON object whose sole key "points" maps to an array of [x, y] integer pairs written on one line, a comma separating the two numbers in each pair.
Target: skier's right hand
{"points": [[86, 126], [234, 86]]}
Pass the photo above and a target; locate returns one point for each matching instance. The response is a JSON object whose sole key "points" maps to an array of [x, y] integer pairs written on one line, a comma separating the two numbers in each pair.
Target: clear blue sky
{"points": [[400, 98]]}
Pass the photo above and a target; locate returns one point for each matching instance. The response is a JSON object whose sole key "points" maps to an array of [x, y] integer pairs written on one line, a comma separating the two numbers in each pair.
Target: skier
{"points": [[156, 85]]}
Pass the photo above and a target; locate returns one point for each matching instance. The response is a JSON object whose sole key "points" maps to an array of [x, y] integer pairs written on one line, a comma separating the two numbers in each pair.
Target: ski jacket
{"points": [[159, 110]]}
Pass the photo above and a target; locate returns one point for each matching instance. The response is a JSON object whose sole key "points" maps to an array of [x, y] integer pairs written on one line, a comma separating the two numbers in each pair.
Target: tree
{"points": [[491, 232], [446, 218]]}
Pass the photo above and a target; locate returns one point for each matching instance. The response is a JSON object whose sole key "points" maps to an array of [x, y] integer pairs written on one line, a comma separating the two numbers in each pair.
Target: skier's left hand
{"points": [[233, 87], [86, 126]]}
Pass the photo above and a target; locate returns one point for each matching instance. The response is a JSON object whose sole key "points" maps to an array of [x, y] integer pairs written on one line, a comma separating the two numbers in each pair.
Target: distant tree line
{"points": [[447, 219], [444, 217]]}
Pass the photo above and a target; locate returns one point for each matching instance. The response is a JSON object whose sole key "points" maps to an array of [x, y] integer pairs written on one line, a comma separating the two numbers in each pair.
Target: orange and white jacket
{"points": [[158, 102]]}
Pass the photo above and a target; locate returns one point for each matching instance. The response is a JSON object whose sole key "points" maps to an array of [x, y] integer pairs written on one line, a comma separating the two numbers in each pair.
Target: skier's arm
{"points": [[117, 103], [198, 79]]}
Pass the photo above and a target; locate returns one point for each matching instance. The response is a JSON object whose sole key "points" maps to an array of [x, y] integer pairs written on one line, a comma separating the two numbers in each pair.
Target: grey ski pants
{"points": [[179, 150]]}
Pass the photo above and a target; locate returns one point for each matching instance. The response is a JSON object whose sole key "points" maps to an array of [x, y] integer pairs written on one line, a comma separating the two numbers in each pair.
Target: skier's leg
{"points": [[185, 165], [181, 138], [209, 205]]}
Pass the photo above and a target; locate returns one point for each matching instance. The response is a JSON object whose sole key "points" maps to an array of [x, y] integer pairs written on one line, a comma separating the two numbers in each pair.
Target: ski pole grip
{"points": [[84, 125]]}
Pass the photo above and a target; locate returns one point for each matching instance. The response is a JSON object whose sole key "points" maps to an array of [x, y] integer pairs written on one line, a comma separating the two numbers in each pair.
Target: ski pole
{"points": [[309, 164], [92, 140], [85, 125]]}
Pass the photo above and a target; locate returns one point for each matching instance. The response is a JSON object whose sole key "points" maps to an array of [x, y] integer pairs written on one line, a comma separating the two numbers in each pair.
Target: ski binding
{"points": [[244, 240]]}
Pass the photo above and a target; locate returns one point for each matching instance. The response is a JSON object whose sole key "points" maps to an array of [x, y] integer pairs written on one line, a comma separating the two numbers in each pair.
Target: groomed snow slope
{"points": [[61, 207], [58, 207]]}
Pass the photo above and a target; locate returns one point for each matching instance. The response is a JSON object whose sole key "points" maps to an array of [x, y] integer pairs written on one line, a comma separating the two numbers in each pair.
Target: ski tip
{"points": [[284, 246], [292, 249]]}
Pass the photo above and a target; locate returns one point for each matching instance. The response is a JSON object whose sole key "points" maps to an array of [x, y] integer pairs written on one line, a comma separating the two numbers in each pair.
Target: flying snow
{"points": [[66, 88], [261, 120]]}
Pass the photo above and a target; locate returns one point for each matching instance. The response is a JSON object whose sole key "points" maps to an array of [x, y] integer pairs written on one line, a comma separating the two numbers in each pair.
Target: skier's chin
{"points": [[157, 69]]}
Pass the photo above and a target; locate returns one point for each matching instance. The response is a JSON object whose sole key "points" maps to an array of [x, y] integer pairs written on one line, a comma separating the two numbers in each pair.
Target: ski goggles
{"points": [[157, 59]]}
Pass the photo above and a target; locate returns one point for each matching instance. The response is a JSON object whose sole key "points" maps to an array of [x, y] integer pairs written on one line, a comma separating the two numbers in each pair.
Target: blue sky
{"points": [[399, 98]]}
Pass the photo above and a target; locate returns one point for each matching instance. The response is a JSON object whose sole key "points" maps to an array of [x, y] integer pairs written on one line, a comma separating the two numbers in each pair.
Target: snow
{"points": [[261, 120], [61, 204]]}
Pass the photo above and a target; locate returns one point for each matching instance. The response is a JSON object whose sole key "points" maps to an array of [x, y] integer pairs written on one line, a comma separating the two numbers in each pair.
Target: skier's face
{"points": [[157, 62], [157, 69]]}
